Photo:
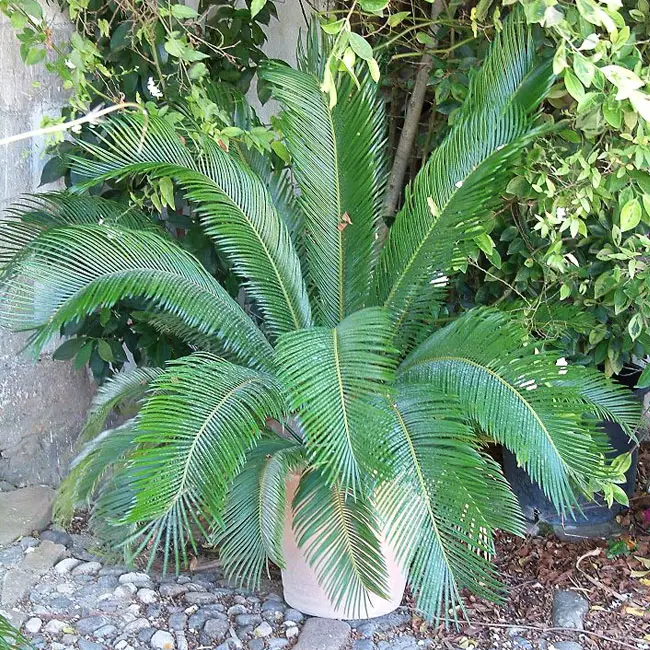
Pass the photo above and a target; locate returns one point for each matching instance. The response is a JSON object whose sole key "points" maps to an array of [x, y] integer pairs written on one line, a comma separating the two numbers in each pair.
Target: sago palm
{"points": [[331, 367]]}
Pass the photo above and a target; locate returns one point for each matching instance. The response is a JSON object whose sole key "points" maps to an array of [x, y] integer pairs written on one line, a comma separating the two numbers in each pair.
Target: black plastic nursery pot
{"points": [[596, 519]]}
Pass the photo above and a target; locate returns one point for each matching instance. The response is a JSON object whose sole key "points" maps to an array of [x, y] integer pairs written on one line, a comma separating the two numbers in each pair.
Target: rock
{"points": [[16, 585], [12, 555], [177, 622], [237, 610], [44, 557], [55, 627], [323, 634], [172, 590], [181, 641], [58, 537], [248, 619], [135, 626], [406, 642], [263, 630], [521, 644], [28, 542], [145, 634], [256, 644], [91, 623], [107, 582], [215, 630], [89, 645], [291, 614], [67, 565], [163, 640], [367, 629], [565, 645], [276, 644], [23, 511], [147, 596], [569, 610], [15, 617], [106, 632], [292, 632], [125, 591], [363, 644], [87, 569], [200, 598], [273, 606], [137, 578], [5, 486], [33, 625]]}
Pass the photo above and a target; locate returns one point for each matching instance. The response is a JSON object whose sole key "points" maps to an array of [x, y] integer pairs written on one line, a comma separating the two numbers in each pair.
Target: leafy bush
{"points": [[328, 367]]}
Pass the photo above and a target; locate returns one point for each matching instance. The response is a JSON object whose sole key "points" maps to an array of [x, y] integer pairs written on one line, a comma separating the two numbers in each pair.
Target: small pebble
{"points": [[263, 630]]}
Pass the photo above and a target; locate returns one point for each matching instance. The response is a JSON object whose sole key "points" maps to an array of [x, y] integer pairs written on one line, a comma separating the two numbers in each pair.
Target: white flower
{"points": [[69, 64], [561, 213], [459, 183], [562, 364], [153, 89]]}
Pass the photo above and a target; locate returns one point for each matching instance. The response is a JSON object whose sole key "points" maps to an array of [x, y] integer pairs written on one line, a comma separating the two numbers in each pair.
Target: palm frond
{"points": [[202, 416], [233, 204], [339, 534], [522, 399], [253, 519], [96, 461], [339, 163], [10, 637], [129, 385], [31, 215], [445, 503], [68, 272], [331, 377], [452, 195]]}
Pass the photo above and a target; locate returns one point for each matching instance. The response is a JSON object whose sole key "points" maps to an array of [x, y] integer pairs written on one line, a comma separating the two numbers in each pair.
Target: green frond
{"points": [[453, 194], [127, 386], [232, 202], [339, 535], [68, 272], [10, 637], [253, 519], [201, 417], [522, 399], [31, 215], [96, 461], [339, 163], [332, 377], [445, 502]]}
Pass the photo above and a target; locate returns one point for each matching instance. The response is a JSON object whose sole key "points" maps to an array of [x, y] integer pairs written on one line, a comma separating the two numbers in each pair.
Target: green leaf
{"points": [[339, 162], [332, 378], [373, 6], [35, 55], [68, 349], [83, 356], [198, 71], [584, 69], [167, 191], [636, 326], [256, 7], [105, 351], [183, 12], [573, 85], [201, 417], [644, 379], [360, 46], [333, 28], [396, 18], [630, 215]]}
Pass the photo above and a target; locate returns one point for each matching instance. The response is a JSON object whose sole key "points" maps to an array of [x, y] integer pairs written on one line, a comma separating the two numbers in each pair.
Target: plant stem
{"points": [[410, 128]]}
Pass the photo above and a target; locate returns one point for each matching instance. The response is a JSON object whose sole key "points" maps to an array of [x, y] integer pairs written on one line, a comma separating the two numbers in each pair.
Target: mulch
{"points": [[609, 574]]}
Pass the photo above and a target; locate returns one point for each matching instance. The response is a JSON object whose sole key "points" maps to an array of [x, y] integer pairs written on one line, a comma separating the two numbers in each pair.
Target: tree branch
{"points": [[410, 128]]}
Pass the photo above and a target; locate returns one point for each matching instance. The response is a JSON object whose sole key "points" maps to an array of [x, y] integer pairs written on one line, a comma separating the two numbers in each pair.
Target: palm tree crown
{"points": [[385, 417]]}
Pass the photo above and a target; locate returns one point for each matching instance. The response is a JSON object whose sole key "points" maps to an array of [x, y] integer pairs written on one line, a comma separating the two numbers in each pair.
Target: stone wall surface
{"points": [[43, 402]]}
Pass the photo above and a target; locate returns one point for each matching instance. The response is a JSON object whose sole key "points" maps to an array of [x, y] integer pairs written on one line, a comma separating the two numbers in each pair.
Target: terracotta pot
{"points": [[302, 590]]}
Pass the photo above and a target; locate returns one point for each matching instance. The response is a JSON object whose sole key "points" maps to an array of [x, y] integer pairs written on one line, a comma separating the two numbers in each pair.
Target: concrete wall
{"points": [[43, 402]]}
